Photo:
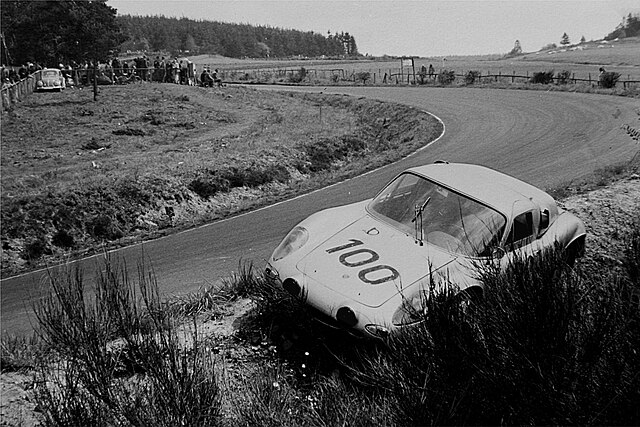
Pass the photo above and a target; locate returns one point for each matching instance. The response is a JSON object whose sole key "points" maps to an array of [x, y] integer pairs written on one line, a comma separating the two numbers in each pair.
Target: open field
{"points": [[622, 57], [150, 159]]}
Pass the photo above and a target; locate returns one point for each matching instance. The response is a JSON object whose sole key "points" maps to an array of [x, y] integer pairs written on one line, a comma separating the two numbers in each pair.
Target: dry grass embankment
{"points": [[149, 159]]}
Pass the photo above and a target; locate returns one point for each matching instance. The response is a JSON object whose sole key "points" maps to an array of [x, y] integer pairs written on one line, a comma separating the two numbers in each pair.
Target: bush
{"points": [[542, 77], [35, 248], [632, 258], [446, 77], [564, 77], [255, 175], [362, 76], [543, 346], [608, 79], [322, 154], [471, 77], [299, 76], [63, 239], [208, 183], [102, 226], [121, 362]]}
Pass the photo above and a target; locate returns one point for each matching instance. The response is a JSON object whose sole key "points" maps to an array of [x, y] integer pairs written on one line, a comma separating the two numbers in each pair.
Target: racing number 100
{"points": [[365, 274]]}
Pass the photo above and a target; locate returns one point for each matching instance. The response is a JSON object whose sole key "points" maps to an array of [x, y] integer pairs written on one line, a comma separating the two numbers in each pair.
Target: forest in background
{"points": [[183, 35], [629, 27]]}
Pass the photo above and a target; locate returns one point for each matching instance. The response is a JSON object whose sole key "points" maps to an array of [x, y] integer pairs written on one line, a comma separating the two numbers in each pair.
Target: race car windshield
{"points": [[50, 74], [449, 220]]}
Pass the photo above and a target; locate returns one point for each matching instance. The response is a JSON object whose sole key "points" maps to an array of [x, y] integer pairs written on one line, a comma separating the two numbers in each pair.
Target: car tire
{"points": [[574, 251]]}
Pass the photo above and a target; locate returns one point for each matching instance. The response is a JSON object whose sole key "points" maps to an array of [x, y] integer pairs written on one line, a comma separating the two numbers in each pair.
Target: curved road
{"points": [[545, 138]]}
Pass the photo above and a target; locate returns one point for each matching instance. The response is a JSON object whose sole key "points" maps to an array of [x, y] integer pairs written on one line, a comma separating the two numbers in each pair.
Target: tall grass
{"points": [[543, 346], [120, 360]]}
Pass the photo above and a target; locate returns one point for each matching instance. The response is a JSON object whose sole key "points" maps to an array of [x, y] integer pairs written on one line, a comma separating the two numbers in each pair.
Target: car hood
{"points": [[370, 262]]}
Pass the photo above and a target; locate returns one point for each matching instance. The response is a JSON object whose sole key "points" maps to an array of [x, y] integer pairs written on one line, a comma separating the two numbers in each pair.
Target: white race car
{"points": [[366, 267]]}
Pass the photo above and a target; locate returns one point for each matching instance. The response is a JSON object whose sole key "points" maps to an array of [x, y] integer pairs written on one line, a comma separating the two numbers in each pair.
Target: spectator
{"points": [[115, 64], [183, 72], [205, 78], [175, 71], [191, 73], [217, 80], [157, 73], [23, 73], [167, 71]]}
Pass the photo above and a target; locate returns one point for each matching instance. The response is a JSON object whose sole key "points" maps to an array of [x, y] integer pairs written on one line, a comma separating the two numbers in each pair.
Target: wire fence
{"points": [[408, 77], [16, 92]]}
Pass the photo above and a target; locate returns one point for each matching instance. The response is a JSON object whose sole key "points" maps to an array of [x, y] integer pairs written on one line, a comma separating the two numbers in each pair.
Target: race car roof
{"points": [[494, 188]]}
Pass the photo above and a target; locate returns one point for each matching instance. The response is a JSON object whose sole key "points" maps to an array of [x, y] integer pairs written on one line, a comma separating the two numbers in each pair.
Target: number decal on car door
{"points": [[367, 275]]}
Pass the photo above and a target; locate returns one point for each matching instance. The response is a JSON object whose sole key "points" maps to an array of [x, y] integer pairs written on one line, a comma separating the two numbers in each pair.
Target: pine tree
{"points": [[565, 40]]}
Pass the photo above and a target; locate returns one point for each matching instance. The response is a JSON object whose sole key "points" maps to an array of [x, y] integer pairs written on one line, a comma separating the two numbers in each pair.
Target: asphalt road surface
{"points": [[545, 138]]}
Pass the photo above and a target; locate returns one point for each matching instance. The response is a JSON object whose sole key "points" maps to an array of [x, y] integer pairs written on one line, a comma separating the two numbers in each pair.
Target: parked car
{"points": [[367, 267], [50, 79]]}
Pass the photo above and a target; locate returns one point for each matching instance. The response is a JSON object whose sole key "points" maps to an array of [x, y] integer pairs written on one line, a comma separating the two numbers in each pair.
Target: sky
{"points": [[423, 28]]}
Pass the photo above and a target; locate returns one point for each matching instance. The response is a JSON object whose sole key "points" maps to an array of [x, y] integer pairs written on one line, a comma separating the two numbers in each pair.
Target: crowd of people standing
{"points": [[115, 71], [161, 70]]}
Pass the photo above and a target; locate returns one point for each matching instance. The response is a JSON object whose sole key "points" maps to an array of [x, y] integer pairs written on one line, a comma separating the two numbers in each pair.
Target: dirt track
{"points": [[546, 138]]}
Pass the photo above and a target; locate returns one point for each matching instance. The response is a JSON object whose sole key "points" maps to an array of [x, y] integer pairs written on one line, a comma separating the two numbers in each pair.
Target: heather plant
{"points": [[632, 258], [299, 76], [362, 76], [121, 361], [446, 77], [471, 77], [544, 345], [542, 77], [563, 77], [20, 353], [608, 79]]}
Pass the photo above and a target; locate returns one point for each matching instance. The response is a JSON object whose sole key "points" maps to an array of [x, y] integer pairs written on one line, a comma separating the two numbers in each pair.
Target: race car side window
{"points": [[521, 230], [544, 221]]}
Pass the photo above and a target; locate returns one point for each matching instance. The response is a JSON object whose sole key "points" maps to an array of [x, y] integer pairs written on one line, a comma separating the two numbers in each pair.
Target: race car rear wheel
{"points": [[574, 251]]}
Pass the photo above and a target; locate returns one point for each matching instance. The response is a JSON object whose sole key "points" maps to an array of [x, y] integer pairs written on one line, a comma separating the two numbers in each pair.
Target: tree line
{"points": [[52, 32], [164, 34], [629, 27]]}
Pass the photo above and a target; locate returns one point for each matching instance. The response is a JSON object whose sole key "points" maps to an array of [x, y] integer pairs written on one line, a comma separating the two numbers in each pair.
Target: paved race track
{"points": [[545, 138]]}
